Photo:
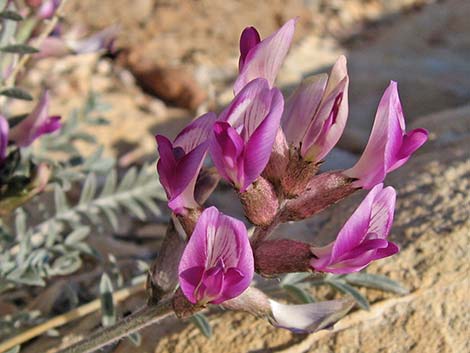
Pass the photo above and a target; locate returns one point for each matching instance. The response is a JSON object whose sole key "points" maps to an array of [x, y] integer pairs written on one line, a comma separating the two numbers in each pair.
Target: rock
{"points": [[174, 85], [430, 66]]}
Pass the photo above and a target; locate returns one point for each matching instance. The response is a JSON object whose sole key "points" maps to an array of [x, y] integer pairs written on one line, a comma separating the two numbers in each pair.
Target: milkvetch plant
{"points": [[269, 148]]}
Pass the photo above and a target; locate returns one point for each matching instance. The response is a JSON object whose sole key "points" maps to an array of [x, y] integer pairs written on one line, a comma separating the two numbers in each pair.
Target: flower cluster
{"points": [[269, 149]]}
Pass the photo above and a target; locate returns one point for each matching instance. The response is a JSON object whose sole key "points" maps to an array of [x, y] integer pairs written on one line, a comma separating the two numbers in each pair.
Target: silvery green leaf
{"points": [[149, 203], [135, 338], [135, 208], [8, 32], [77, 235], [111, 217], [83, 136], [109, 184], [84, 248], [11, 15], [89, 189], [60, 200], [26, 275], [20, 223], [128, 181], [299, 294], [66, 264], [108, 311], [202, 323], [348, 289], [17, 93], [19, 49], [143, 175], [295, 277], [375, 281]]}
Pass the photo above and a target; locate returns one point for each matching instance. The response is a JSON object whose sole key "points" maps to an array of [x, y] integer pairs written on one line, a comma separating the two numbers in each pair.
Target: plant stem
{"points": [[146, 316]]}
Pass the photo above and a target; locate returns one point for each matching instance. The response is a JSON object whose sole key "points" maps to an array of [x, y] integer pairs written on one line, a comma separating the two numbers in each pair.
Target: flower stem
{"points": [[146, 316]]}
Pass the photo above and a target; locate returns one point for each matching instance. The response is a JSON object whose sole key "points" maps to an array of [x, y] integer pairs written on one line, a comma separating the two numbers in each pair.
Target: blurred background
{"points": [[176, 59]]}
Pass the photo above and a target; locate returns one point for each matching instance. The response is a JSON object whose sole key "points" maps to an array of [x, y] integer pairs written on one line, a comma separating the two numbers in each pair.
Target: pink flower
{"points": [[3, 138], [48, 9], [363, 237], [316, 113], [263, 58], [217, 263], [389, 146], [36, 124], [244, 135], [181, 161], [56, 46]]}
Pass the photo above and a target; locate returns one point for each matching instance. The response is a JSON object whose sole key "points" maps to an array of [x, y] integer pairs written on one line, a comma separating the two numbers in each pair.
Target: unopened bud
{"points": [[162, 278], [260, 202], [323, 190], [275, 257]]}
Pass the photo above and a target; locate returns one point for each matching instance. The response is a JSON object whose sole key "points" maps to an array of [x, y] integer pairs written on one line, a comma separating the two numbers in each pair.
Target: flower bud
{"points": [[260, 202], [323, 190], [275, 257], [162, 278]]}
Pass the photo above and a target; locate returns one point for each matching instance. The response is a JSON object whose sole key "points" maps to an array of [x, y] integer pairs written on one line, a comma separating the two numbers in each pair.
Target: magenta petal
{"points": [[259, 146], [50, 125], [221, 246], [265, 59], [226, 149], [355, 229], [3, 137], [36, 124], [244, 137], [249, 107], [196, 132], [389, 146], [191, 278], [301, 107], [411, 142], [363, 237], [48, 9], [178, 173], [248, 40], [328, 124], [390, 250]]}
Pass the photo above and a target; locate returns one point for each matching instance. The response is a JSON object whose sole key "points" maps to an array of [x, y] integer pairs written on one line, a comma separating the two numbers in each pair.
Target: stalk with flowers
{"points": [[269, 149]]}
